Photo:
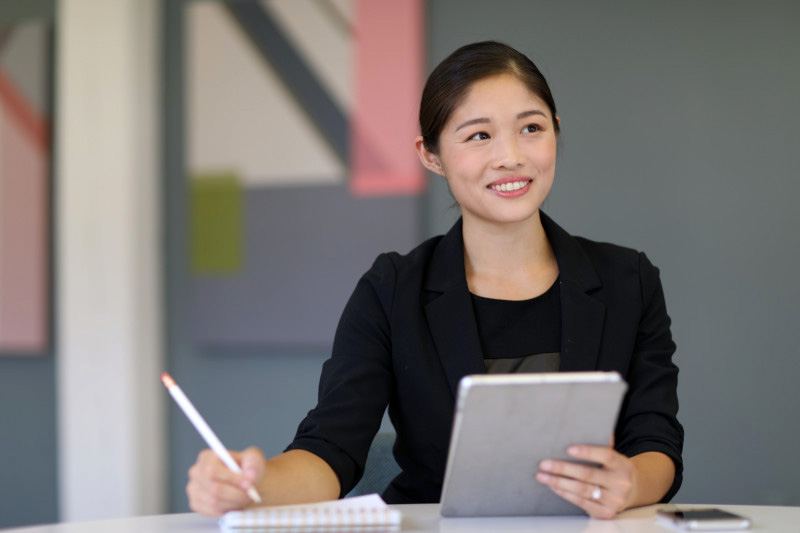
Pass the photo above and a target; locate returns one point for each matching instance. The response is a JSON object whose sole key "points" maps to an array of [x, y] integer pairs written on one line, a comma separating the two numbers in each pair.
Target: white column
{"points": [[108, 313]]}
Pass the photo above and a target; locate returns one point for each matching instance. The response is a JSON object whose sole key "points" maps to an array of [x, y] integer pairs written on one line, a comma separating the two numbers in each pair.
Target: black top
{"points": [[408, 335], [520, 336]]}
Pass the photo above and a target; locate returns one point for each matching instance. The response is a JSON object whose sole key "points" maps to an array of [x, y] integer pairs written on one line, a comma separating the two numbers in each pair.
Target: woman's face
{"points": [[497, 151]]}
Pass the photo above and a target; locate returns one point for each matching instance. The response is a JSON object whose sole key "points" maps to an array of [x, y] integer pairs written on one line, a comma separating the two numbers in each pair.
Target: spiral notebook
{"points": [[358, 512]]}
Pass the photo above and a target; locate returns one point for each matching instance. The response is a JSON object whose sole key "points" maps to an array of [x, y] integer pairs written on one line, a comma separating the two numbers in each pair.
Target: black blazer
{"points": [[408, 335]]}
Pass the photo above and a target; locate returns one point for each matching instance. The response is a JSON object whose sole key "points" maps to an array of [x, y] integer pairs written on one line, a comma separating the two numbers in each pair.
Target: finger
{"points": [[213, 489], [602, 455], [595, 509], [210, 467], [616, 472], [567, 469], [215, 499], [253, 463], [578, 488], [614, 491]]}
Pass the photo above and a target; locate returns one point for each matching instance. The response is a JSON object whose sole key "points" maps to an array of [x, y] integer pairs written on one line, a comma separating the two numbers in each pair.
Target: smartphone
{"points": [[702, 519]]}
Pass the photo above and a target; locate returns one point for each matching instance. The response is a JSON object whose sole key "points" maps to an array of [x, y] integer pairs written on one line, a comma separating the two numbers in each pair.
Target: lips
{"points": [[509, 186]]}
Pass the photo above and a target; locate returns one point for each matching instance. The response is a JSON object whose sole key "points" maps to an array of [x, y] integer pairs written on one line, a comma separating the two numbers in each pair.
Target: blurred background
{"points": [[196, 186]]}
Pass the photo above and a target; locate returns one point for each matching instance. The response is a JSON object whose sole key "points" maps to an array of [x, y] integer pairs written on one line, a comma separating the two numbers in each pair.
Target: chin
{"points": [[516, 217]]}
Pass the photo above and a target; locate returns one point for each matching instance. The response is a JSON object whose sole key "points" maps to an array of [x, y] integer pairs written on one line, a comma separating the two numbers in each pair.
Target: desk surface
{"points": [[426, 519]]}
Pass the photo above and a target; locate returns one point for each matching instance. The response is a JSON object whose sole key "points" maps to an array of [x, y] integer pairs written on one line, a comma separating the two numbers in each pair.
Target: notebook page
{"points": [[367, 510]]}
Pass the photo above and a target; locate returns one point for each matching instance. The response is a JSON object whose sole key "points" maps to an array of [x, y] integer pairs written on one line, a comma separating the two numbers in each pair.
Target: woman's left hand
{"points": [[601, 492]]}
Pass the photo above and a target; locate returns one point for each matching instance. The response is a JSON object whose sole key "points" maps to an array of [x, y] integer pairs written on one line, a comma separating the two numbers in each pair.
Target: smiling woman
{"points": [[499, 144], [505, 290]]}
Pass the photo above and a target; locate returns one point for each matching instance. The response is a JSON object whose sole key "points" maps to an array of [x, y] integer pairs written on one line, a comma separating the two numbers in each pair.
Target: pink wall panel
{"points": [[389, 59], [23, 225]]}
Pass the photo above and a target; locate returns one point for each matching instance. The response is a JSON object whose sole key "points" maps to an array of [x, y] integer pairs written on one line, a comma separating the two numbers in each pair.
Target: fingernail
{"points": [[546, 465], [574, 450], [541, 476]]}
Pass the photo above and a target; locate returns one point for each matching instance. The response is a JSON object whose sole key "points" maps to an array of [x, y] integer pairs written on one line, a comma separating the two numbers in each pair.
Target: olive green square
{"points": [[216, 223]]}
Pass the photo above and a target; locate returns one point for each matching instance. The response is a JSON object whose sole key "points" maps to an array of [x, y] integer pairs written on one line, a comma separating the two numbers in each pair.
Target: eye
{"points": [[532, 128], [480, 136]]}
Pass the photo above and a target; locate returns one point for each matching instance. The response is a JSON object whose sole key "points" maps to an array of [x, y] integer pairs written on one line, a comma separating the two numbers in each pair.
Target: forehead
{"points": [[498, 96]]}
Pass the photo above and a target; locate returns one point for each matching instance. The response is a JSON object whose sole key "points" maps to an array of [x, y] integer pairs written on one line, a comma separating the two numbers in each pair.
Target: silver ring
{"points": [[596, 493]]}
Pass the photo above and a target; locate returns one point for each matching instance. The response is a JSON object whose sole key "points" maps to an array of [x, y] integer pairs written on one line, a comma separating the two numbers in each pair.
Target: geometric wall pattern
{"points": [[301, 116]]}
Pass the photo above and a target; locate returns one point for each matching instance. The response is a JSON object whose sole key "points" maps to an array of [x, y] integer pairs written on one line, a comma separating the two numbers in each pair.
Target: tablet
{"points": [[505, 424]]}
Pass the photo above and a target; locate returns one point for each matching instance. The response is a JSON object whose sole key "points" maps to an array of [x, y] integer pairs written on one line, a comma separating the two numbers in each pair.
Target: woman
{"points": [[506, 290]]}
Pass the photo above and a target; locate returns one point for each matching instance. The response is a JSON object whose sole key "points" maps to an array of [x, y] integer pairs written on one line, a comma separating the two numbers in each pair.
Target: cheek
{"points": [[546, 158], [458, 177], [457, 183], [462, 165]]}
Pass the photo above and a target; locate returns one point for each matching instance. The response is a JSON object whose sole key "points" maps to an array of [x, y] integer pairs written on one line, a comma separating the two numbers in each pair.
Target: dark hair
{"points": [[451, 79]]}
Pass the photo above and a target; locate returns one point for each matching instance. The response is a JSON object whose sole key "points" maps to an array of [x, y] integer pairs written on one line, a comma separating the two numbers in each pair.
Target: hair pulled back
{"points": [[450, 81]]}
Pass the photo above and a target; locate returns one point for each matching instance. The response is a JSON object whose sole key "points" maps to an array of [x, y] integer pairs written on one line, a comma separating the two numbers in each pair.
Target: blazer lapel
{"points": [[582, 316], [582, 320], [452, 321], [449, 311]]}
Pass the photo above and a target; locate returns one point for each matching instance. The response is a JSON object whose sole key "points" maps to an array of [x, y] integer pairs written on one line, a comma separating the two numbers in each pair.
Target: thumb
{"points": [[252, 461]]}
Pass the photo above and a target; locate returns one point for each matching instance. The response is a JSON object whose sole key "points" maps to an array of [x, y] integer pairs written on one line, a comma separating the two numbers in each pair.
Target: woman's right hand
{"points": [[213, 489]]}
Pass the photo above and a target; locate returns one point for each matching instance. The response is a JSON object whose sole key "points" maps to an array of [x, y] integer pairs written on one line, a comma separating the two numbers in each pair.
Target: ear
{"points": [[429, 160]]}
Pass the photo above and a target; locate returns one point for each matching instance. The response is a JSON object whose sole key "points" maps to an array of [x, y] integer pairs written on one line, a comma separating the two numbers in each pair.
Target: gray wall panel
{"points": [[28, 468], [679, 138], [305, 248]]}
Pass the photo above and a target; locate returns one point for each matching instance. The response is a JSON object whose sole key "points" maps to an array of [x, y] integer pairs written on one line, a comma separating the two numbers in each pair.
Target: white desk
{"points": [[426, 519]]}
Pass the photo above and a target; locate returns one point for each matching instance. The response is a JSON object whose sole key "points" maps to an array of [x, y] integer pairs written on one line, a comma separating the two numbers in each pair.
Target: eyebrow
{"points": [[483, 120]]}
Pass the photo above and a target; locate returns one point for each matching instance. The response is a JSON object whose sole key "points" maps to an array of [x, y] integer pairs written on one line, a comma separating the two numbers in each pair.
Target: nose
{"points": [[507, 152]]}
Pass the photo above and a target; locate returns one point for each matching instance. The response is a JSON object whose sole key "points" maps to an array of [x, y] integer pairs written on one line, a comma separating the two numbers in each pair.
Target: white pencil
{"points": [[203, 428]]}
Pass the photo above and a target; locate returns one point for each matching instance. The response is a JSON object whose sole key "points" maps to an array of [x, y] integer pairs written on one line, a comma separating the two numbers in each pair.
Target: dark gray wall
{"points": [[28, 471], [679, 137]]}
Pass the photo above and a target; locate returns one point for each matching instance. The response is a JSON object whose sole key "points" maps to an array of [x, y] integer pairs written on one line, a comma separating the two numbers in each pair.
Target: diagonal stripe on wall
{"points": [[300, 80]]}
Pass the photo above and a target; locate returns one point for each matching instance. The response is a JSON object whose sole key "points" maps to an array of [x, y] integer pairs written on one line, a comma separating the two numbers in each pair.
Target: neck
{"points": [[509, 260]]}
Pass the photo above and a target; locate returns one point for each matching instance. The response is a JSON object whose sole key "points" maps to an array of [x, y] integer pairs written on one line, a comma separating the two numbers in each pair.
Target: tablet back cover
{"points": [[505, 424]]}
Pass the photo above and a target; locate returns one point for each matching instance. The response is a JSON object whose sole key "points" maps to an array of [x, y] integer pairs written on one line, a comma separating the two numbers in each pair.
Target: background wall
{"points": [[678, 127], [678, 137], [246, 396], [28, 470]]}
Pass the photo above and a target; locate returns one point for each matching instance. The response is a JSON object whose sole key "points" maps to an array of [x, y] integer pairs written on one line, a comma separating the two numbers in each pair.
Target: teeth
{"points": [[511, 186]]}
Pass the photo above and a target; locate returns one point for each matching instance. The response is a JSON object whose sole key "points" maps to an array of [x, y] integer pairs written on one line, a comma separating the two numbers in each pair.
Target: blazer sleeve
{"points": [[649, 416], [356, 382]]}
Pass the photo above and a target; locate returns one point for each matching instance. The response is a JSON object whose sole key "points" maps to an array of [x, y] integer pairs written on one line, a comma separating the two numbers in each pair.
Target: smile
{"points": [[510, 186]]}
